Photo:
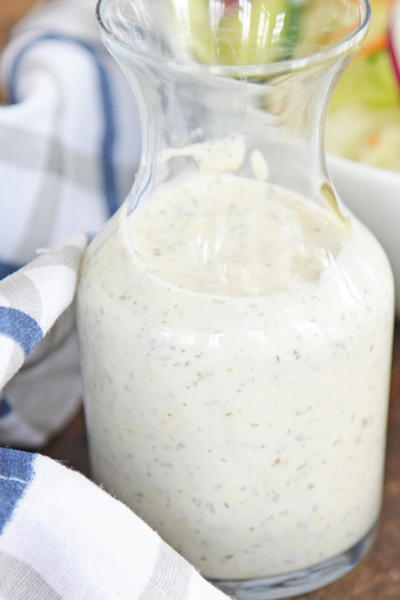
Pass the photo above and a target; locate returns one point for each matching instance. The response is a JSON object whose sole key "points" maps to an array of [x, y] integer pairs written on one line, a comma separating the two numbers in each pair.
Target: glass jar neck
{"points": [[263, 121], [264, 128]]}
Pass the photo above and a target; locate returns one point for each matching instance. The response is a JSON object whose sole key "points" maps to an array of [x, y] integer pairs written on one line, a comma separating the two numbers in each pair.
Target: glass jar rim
{"points": [[321, 57]]}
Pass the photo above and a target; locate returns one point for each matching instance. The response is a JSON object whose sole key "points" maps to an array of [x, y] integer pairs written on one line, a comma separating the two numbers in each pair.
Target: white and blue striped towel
{"points": [[69, 148], [63, 538], [31, 300]]}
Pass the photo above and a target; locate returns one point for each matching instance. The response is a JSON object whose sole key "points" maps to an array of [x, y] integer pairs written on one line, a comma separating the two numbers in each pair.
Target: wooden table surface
{"points": [[10, 12], [378, 576]]}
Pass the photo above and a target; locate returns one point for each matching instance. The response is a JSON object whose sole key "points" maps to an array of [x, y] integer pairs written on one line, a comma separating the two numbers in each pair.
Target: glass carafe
{"points": [[235, 319]]}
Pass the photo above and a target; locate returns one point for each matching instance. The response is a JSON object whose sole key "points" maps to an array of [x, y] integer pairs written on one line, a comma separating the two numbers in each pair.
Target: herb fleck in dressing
{"points": [[236, 366]]}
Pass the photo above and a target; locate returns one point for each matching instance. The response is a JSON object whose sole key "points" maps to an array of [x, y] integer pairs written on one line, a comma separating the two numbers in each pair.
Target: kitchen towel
{"points": [[69, 149], [31, 300], [64, 538]]}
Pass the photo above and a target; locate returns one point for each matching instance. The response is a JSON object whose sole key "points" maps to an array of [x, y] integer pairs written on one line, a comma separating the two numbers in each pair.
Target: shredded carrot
{"points": [[373, 141], [380, 42], [332, 36]]}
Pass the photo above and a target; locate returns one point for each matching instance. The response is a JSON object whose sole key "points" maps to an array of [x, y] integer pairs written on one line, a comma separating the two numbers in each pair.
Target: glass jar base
{"points": [[300, 582]]}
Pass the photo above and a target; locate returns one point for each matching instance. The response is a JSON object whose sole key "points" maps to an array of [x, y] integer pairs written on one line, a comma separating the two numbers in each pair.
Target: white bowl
{"points": [[373, 195]]}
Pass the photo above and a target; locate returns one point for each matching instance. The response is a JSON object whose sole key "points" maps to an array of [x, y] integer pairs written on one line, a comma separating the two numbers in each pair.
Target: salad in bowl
{"points": [[363, 132]]}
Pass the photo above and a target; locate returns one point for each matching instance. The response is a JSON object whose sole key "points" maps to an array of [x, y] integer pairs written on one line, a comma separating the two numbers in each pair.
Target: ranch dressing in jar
{"points": [[235, 324], [249, 430]]}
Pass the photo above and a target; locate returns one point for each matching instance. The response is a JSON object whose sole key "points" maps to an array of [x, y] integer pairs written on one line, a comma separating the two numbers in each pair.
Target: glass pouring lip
{"points": [[271, 68]]}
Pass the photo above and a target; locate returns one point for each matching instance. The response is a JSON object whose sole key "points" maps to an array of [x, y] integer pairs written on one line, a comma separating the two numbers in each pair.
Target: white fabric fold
{"points": [[31, 301]]}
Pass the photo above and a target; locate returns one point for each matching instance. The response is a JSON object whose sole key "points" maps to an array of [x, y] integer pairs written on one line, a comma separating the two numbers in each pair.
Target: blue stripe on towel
{"points": [[16, 471], [109, 177], [20, 327], [5, 408], [7, 269]]}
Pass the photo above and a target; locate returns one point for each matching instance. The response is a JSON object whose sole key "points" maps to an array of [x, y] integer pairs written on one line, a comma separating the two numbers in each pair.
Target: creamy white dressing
{"points": [[236, 349], [217, 233]]}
